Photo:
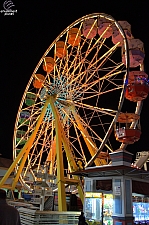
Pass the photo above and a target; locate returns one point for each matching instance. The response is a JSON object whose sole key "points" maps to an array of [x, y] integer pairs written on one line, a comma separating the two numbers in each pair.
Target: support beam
{"points": [[60, 168], [52, 155], [25, 151]]}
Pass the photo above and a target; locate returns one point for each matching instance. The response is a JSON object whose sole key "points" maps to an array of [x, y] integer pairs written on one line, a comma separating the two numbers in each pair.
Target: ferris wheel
{"points": [[75, 97]]}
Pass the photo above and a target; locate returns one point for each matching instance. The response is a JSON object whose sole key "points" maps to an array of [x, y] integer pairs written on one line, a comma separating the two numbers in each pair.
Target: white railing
{"points": [[36, 217]]}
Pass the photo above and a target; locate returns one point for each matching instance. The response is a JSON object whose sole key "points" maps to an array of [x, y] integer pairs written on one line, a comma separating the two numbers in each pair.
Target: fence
{"points": [[36, 217]]}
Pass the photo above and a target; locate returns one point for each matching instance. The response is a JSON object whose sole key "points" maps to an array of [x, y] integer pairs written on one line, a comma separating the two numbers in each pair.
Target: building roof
{"points": [[5, 163], [113, 170]]}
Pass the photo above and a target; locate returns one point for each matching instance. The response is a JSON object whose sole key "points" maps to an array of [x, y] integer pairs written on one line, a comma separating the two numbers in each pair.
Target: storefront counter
{"points": [[99, 209]]}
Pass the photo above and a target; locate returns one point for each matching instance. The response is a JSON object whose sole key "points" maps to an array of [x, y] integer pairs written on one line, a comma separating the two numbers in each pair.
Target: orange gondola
{"points": [[38, 81], [48, 64], [60, 49], [74, 37]]}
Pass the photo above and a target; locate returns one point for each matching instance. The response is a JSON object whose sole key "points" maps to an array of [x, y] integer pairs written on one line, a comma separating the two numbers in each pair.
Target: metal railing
{"points": [[142, 158], [36, 217]]}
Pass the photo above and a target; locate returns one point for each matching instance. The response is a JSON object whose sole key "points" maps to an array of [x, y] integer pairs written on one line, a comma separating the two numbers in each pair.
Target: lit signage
{"points": [[93, 195]]}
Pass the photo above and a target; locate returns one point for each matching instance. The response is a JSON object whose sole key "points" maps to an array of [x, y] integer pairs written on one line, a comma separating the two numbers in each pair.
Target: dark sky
{"points": [[25, 36]]}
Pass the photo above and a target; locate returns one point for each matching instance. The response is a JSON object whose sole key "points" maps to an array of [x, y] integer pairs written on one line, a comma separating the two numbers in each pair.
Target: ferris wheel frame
{"points": [[50, 101]]}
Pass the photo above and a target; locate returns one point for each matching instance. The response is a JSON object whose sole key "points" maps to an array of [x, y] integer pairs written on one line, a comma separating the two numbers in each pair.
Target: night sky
{"points": [[25, 36]]}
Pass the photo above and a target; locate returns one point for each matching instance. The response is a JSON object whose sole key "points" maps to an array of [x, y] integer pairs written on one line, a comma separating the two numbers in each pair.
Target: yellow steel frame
{"points": [[24, 152], [60, 139], [60, 168], [51, 156], [68, 151]]}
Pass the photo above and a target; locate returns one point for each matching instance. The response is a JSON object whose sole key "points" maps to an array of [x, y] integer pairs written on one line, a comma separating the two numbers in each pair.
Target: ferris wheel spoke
{"points": [[86, 54], [93, 59], [36, 141], [43, 131], [97, 109], [42, 146], [106, 56], [94, 111], [86, 40], [107, 76], [109, 144], [80, 156], [88, 88], [80, 120], [101, 93], [81, 147]]}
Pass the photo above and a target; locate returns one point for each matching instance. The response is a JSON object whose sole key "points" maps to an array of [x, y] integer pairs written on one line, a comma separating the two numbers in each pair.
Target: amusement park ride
{"points": [[71, 113]]}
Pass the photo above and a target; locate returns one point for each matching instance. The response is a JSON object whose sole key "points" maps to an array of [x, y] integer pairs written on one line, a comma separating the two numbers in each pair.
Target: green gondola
{"points": [[20, 138], [30, 99]]}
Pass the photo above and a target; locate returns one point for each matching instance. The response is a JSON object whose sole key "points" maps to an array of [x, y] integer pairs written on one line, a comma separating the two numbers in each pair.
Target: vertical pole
{"points": [[43, 189], [60, 173], [102, 208], [122, 204]]}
